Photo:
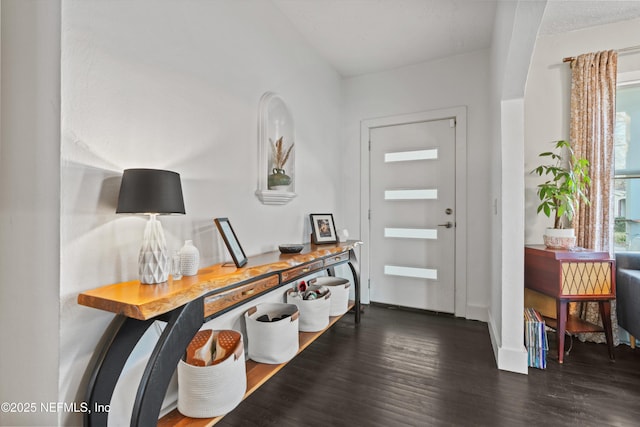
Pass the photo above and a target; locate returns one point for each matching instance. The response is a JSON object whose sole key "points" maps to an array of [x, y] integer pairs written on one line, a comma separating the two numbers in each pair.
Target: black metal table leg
{"points": [[183, 323], [355, 272], [122, 336]]}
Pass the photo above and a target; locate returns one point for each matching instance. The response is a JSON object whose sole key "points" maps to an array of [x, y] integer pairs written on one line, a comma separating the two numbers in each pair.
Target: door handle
{"points": [[448, 224]]}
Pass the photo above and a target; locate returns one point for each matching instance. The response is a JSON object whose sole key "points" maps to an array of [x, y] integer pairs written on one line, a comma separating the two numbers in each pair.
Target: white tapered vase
{"points": [[153, 261], [189, 259]]}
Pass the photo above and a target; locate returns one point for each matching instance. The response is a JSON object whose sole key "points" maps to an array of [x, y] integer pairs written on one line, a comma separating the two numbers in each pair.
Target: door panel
{"points": [[412, 168]]}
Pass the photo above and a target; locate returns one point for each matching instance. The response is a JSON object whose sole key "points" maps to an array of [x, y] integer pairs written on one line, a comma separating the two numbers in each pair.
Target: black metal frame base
{"points": [[182, 324]]}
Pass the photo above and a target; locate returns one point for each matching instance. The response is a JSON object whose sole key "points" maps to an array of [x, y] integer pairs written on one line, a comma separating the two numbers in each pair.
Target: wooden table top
{"points": [[143, 301], [567, 254]]}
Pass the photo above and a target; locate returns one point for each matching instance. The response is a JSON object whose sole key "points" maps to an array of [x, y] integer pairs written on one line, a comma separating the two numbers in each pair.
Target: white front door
{"points": [[413, 214]]}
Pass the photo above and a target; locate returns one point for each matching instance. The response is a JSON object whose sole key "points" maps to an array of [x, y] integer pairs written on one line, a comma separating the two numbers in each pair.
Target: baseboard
{"points": [[507, 359], [494, 336], [412, 309], [477, 312]]}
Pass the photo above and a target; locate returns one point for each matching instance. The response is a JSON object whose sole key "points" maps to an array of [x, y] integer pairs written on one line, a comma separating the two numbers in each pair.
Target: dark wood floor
{"points": [[404, 368]]}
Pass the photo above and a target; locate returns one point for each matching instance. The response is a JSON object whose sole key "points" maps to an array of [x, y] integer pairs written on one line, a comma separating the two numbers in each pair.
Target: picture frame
{"points": [[323, 229], [231, 241]]}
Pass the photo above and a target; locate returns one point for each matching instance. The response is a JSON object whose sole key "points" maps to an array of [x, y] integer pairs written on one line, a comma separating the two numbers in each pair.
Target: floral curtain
{"points": [[593, 109]]}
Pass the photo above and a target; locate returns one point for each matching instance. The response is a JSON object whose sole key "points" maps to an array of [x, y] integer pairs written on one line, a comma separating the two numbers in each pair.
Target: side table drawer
{"points": [[344, 256], [593, 278], [302, 270], [226, 299]]}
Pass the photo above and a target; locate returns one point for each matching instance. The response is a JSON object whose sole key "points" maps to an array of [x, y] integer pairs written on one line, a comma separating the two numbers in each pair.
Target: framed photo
{"points": [[323, 229], [230, 239]]}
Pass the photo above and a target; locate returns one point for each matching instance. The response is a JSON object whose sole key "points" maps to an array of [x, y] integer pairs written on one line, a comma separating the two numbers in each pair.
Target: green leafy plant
{"points": [[567, 184]]}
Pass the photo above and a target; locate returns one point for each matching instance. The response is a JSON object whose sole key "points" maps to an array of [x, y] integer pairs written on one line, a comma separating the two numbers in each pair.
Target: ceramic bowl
{"points": [[290, 248]]}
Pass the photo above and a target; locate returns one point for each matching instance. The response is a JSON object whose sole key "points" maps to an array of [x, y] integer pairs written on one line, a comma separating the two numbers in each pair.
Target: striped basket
{"points": [[272, 342], [339, 293], [211, 391], [314, 314]]}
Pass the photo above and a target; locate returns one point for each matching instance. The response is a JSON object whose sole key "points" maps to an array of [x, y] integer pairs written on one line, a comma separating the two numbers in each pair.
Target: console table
{"points": [[185, 305], [564, 276]]}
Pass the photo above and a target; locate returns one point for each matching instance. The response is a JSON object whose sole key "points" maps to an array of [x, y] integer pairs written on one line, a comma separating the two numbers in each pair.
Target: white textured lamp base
{"points": [[153, 261]]}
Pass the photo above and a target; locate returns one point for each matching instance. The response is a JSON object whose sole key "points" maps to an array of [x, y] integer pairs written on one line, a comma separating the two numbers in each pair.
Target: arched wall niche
{"points": [[276, 151]]}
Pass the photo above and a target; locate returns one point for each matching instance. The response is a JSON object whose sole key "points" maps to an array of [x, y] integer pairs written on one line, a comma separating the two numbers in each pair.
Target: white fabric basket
{"points": [[314, 314], [339, 293], [272, 342], [211, 391]]}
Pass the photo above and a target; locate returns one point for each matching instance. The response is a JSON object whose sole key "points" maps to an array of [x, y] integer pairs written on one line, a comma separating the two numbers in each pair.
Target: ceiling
{"points": [[366, 36]]}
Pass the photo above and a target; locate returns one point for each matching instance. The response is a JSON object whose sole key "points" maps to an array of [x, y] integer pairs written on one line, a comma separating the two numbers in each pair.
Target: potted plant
{"points": [[279, 180], [559, 195]]}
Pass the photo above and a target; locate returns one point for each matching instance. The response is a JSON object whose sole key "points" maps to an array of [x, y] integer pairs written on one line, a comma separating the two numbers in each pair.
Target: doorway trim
{"points": [[459, 114]]}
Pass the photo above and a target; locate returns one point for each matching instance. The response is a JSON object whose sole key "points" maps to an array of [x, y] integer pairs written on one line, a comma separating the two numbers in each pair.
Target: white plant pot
{"points": [[559, 238]]}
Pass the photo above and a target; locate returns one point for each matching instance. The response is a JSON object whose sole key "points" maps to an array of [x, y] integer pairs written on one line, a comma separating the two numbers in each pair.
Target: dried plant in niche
{"points": [[280, 155]]}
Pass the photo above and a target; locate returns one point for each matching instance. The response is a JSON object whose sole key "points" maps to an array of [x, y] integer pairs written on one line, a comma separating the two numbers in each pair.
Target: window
{"points": [[626, 206]]}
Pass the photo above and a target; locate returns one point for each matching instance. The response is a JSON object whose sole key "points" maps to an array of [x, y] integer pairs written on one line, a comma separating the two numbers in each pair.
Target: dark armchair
{"points": [[628, 292]]}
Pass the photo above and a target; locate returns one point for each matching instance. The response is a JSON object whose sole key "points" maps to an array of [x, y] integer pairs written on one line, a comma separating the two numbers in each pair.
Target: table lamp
{"points": [[151, 192]]}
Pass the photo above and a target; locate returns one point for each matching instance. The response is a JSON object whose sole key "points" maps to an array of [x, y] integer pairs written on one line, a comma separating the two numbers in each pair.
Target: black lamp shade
{"points": [[151, 191]]}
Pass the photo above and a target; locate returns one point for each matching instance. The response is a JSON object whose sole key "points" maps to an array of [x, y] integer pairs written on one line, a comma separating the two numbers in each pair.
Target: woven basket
{"points": [[211, 391], [272, 342], [314, 314], [339, 293]]}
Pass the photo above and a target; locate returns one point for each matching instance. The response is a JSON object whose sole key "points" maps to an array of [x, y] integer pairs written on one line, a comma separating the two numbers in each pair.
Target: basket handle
{"points": [[239, 350], [295, 316], [252, 310]]}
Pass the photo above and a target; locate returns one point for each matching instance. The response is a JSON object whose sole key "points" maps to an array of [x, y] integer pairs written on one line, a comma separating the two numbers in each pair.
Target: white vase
{"points": [[559, 238], [343, 235], [189, 259]]}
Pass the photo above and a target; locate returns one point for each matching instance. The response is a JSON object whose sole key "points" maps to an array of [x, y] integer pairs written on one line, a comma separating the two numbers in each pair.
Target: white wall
{"points": [[29, 208], [548, 97], [176, 85], [514, 35], [457, 81]]}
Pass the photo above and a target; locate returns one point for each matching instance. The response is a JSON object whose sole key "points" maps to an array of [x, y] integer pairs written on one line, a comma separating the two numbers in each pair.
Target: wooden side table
{"points": [[567, 276]]}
